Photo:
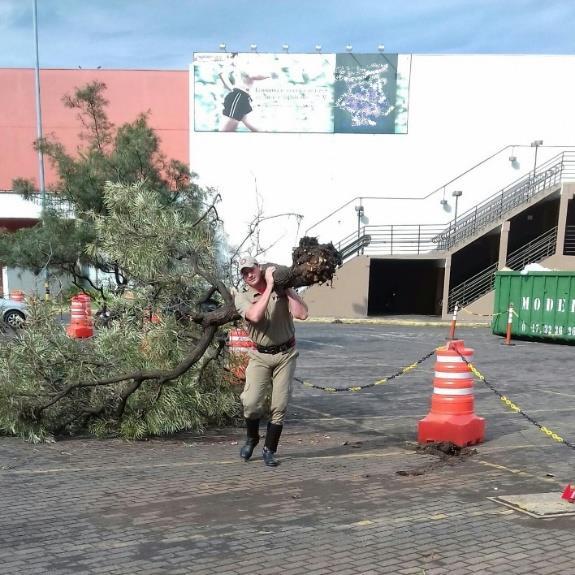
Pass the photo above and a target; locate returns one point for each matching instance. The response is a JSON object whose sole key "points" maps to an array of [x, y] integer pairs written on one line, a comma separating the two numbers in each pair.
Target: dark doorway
{"points": [[398, 287]]}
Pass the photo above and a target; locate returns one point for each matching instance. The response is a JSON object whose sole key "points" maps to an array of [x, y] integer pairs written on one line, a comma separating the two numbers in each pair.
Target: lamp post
{"points": [[39, 134], [456, 194], [360, 211], [535, 144]]}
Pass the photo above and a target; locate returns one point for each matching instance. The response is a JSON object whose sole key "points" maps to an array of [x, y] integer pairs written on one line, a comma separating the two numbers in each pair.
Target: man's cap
{"points": [[248, 262]]}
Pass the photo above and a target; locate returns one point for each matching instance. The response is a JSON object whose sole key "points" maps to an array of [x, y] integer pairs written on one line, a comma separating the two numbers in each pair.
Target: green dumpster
{"points": [[543, 304]]}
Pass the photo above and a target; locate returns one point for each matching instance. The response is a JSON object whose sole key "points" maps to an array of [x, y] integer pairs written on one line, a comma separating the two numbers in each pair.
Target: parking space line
{"points": [[520, 472], [555, 393], [320, 343]]}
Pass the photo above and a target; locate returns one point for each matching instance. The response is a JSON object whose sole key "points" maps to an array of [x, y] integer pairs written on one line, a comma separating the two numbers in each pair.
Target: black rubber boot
{"points": [[271, 445], [253, 438]]}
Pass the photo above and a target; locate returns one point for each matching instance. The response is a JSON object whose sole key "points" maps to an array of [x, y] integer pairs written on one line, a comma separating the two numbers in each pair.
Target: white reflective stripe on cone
{"points": [[453, 375], [453, 358], [447, 391]]}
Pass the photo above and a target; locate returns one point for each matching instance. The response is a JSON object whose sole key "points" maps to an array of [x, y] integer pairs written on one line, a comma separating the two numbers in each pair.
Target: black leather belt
{"points": [[273, 349]]}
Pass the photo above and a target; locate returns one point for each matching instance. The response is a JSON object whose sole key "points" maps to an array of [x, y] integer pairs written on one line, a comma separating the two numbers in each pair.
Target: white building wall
{"points": [[12, 205], [18, 279], [463, 109]]}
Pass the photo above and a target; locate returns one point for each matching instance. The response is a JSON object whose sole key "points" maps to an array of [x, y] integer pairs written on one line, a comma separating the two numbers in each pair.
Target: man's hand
{"points": [[258, 309], [269, 277], [297, 306]]}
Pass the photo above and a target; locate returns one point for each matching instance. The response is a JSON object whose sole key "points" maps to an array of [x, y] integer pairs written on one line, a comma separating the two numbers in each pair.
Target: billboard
{"points": [[301, 93]]}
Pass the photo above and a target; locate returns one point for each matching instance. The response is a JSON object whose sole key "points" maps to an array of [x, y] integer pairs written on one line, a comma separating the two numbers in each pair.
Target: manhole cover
{"points": [[538, 505]]}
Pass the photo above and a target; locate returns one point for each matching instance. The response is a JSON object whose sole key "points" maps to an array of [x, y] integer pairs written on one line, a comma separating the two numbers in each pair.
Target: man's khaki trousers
{"points": [[265, 370]]}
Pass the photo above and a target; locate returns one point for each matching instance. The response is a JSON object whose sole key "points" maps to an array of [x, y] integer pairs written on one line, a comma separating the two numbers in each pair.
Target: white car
{"points": [[12, 312]]}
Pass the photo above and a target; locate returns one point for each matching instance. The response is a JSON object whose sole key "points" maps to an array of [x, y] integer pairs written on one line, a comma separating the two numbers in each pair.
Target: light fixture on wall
{"points": [[444, 203], [513, 159]]}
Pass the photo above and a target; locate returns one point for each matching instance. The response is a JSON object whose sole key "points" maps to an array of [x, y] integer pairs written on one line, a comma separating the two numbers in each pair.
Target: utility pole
{"points": [[535, 144], [456, 194]]}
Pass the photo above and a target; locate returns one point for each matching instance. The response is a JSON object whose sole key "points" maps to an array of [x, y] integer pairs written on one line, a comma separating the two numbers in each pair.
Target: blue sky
{"points": [[163, 34]]}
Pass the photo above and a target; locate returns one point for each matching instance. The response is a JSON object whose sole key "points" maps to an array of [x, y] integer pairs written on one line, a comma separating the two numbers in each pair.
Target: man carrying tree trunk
{"points": [[269, 316]]}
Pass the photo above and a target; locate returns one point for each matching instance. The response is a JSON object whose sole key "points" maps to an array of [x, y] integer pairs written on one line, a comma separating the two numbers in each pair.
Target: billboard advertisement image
{"points": [[301, 93]]}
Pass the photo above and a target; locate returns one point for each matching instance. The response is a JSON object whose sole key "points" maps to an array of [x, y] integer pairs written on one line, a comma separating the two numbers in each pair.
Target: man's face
{"points": [[251, 276]]}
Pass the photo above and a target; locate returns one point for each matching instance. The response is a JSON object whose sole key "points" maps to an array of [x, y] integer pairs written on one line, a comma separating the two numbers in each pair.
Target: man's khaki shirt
{"points": [[276, 327]]}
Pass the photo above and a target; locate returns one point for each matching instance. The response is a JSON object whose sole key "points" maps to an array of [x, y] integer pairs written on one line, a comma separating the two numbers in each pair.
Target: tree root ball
{"points": [[312, 263]]}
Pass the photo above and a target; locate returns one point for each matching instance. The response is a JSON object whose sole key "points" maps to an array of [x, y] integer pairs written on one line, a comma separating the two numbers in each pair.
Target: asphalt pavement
{"points": [[352, 495]]}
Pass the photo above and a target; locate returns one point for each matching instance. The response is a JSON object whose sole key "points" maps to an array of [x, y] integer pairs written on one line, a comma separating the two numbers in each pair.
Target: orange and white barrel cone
{"points": [[239, 343], [17, 295], [80, 317], [452, 416]]}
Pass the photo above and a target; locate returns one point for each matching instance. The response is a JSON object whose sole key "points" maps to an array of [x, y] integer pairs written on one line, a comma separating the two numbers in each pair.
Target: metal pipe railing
{"points": [[390, 240], [482, 282], [534, 251], [493, 208]]}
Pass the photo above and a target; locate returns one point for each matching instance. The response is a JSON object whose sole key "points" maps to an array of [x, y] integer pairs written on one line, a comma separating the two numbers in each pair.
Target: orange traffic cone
{"points": [[569, 494], [451, 417], [80, 317]]}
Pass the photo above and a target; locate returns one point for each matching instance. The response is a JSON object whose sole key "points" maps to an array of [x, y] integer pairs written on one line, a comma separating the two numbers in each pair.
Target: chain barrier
{"points": [[515, 408], [399, 373], [481, 314]]}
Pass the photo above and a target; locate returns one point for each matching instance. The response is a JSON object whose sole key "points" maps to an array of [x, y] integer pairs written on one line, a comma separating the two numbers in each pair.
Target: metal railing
{"points": [[390, 240], [354, 247], [483, 282], [424, 238], [494, 208], [472, 288], [53, 202], [534, 251], [569, 246]]}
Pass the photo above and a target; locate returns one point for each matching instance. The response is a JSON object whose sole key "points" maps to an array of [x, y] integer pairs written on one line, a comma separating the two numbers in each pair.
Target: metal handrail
{"points": [[420, 239], [496, 206], [472, 288], [483, 282], [533, 251], [354, 247], [390, 240], [52, 202]]}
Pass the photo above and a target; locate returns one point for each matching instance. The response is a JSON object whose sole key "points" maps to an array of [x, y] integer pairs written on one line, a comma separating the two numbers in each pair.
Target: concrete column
{"points": [[503, 244], [446, 277], [567, 191]]}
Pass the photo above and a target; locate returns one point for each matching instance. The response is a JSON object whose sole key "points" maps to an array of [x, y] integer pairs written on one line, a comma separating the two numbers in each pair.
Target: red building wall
{"points": [[129, 92]]}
